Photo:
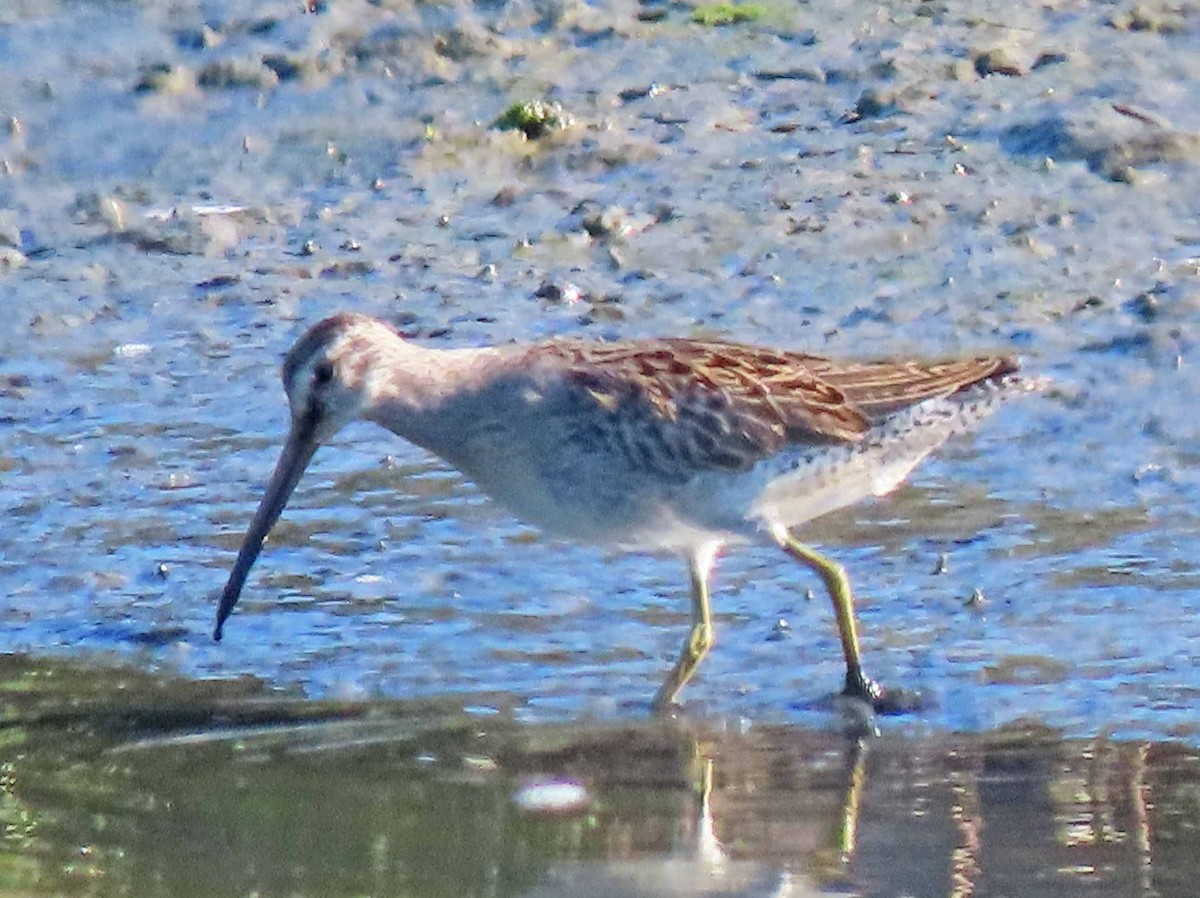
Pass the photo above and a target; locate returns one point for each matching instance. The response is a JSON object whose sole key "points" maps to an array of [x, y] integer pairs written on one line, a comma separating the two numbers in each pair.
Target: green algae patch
{"points": [[717, 14], [534, 118]]}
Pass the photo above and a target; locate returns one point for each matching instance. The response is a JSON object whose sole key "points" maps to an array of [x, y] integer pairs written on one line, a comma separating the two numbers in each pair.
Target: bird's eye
{"points": [[323, 373]]}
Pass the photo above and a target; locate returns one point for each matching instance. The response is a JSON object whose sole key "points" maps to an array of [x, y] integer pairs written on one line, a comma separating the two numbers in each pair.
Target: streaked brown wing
{"points": [[879, 389], [680, 406]]}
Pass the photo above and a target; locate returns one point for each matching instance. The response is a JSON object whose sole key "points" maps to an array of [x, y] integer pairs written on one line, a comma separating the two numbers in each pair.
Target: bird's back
{"points": [[684, 437], [728, 406]]}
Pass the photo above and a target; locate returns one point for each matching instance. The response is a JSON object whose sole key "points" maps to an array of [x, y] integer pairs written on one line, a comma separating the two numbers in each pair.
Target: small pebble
{"points": [[999, 61], [131, 350]]}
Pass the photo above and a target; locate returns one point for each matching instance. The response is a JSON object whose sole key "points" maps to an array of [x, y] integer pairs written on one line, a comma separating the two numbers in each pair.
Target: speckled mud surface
{"points": [[185, 186]]}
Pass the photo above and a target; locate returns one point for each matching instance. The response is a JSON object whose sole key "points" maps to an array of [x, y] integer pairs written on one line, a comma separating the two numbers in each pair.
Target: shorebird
{"points": [[669, 444]]}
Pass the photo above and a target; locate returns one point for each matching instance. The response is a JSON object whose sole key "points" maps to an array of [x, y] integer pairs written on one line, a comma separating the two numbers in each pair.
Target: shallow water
{"points": [[154, 787], [167, 240], [186, 187]]}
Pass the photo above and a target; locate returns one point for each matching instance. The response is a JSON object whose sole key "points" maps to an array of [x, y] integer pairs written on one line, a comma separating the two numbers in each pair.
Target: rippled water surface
{"points": [[185, 187], [153, 786]]}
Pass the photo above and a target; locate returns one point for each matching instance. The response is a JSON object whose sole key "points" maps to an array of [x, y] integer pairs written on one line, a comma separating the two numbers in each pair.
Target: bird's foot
{"points": [[884, 700]]}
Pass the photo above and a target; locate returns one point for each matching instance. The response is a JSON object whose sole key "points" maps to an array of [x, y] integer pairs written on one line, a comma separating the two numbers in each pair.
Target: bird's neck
{"points": [[428, 396]]}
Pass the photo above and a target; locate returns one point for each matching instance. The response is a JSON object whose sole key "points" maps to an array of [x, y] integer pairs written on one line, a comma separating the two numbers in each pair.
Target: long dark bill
{"points": [[297, 453]]}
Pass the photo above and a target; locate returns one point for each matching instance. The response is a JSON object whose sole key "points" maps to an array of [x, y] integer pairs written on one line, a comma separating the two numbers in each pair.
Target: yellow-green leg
{"points": [[833, 575], [701, 637]]}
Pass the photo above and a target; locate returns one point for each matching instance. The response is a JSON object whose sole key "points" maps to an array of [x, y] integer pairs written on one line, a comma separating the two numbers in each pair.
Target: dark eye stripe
{"points": [[323, 373]]}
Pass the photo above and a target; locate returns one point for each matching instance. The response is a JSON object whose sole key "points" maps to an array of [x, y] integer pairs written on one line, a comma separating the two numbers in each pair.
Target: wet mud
{"points": [[185, 187]]}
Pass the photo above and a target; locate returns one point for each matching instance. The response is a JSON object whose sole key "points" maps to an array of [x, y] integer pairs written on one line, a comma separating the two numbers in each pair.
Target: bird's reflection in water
{"points": [[699, 863]]}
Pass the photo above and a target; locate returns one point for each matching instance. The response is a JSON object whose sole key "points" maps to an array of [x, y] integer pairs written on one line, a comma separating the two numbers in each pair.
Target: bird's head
{"points": [[330, 377], [330, 373]]}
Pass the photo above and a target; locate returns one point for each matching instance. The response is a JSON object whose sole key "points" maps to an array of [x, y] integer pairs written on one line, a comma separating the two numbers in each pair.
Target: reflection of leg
{"points": [[833, 575], [708, 847], [701, 637], [857, 769], [831, 863]]}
